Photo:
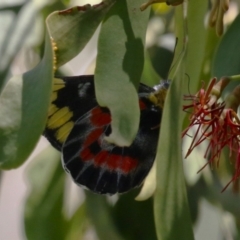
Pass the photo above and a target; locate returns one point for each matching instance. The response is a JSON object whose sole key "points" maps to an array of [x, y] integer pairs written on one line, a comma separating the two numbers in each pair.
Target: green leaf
{"points": [[119, 67], [197, 43], [99, 212], [78, 224], [24, 101], [212, 41], [44, 218], [139, 216], [23, 111], [172, 216], [71, 29], [202, 43], [227, 58]]}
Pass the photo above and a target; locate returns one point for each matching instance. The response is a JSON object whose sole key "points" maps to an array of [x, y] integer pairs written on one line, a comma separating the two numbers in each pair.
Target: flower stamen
{"points": [[216, 122]]}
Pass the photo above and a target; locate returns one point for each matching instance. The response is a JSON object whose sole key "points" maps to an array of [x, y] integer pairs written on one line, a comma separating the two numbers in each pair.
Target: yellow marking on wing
{"points": [[63, 132], [53, 96], [58, 81], [59, 118], [57, 87], [58, 84], [52, 109]]}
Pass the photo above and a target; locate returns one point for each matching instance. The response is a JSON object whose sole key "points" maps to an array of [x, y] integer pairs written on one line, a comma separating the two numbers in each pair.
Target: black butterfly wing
{"points": [[106, 168], [71, 98], [76, 126]]}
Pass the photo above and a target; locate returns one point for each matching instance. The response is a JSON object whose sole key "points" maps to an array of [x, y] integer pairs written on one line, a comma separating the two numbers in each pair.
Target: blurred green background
{"points": [[39, 201]]}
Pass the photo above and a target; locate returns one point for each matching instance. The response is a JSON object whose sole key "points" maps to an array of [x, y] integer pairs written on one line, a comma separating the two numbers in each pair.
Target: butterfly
{"points": [[77, 125]]}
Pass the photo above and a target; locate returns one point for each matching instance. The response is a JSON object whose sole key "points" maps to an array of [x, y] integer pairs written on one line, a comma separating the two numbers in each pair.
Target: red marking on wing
{"points": [[114, 161], [100, 118], [101, 158], [86, 155], [126, 164], [129, 164], [142, 105], [93, 136]]}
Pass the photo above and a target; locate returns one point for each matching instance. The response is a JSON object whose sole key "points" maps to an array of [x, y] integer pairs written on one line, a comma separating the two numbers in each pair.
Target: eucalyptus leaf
{"points": [[139, 216], [172, 216], [25, 99], [212, 41], [227, 58], [71, 29], [23, 111], [99, 212], [119, 67], [197, 44], [78, 223], [44, 217]]}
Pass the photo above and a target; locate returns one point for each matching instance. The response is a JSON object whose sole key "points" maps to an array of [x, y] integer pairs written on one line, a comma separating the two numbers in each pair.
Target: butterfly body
{"points": [[77, 126]]}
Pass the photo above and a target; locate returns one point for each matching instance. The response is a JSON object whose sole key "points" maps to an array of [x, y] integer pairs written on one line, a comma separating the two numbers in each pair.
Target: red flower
{"points": [[205, 114], [216, 122]]}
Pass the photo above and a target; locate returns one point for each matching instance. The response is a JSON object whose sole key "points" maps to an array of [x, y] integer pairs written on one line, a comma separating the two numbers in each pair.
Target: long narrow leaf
{"points": [[23, 111], [99, 213], [72, 29], [24, 101], [44, 218], [119, 67], [171, 209]]}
